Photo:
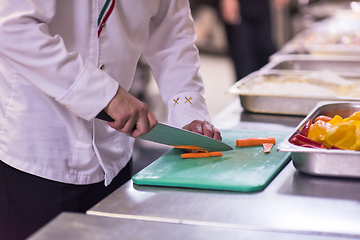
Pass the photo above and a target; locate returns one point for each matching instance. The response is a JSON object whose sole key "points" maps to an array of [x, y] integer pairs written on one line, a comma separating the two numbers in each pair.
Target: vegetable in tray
{"points": [[330, 133]]}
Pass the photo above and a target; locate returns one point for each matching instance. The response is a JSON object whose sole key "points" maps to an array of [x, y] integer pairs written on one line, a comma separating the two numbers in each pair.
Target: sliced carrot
{"points": [[267, 147], [201, 154], [323, 118], [189, 147], [254, 141]]}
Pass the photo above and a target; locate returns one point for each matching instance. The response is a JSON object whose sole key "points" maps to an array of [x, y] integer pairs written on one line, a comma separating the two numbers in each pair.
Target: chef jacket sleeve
{"points": [[174, 60], [45, 62]]}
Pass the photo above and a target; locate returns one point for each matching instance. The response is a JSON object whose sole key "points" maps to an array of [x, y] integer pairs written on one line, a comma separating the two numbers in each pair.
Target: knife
{"points": [[169, 135]]}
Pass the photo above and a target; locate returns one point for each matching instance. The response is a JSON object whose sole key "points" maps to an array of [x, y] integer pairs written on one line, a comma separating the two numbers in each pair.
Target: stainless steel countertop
{"points": [[80, 226], [294, 206], [293, 202]]}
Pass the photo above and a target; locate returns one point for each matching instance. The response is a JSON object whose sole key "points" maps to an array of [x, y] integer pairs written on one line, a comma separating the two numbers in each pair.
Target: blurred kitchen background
{"points": [[217, 70]]}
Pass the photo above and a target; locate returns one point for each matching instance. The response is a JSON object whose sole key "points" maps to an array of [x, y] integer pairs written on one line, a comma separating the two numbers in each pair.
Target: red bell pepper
{"points": [[301, 140], [305, 129]]}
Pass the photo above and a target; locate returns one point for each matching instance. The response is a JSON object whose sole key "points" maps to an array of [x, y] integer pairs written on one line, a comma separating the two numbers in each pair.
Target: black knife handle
{"points": [[104, 116]]}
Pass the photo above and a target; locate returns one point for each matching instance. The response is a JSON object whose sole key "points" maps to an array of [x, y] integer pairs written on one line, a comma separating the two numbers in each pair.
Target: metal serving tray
{"points": [[298, 104], [342, 65], [298, 45], [325, 162], [336, 35]]}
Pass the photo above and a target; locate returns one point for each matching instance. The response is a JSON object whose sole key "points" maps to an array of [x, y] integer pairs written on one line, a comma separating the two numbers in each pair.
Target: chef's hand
{"points": [[204, 128], [131, 116]]}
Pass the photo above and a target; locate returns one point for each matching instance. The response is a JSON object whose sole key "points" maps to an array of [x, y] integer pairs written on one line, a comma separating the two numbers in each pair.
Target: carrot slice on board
{"points": [[267, 147], [201, 154], [254, 141], [189, 147]]}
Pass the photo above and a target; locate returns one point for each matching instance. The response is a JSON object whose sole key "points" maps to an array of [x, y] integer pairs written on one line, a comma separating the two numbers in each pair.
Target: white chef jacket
{"points": [[52, 87]]}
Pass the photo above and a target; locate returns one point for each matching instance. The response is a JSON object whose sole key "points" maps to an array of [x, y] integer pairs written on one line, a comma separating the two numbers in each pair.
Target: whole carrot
{"points": [[254, 141], [201, 154]]}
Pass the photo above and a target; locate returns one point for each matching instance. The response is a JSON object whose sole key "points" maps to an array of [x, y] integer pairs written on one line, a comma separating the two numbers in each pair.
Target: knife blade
{"points": [[173, 136], [170, 135]]}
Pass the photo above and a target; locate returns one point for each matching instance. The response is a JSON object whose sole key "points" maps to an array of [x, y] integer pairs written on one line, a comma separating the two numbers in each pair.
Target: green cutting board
{"points": [[245, 169]]}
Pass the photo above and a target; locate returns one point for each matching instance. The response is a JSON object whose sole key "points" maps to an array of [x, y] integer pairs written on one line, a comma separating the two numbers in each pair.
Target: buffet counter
{"points": [[292, 206]]}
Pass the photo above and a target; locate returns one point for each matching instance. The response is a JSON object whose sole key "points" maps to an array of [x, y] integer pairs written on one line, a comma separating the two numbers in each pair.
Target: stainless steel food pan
{"points": [[321, 51], [296, 45], [317, 42], [336, 35], [325, 162], [294, 104], [342, 65]]}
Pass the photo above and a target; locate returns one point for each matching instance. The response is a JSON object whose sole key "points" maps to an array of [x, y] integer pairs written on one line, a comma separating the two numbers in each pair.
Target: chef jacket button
{"points": [[103, 25], [102, 67]]}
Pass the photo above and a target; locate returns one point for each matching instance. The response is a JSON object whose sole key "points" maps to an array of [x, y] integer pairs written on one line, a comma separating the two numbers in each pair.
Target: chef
{"points": [[61, 64]]}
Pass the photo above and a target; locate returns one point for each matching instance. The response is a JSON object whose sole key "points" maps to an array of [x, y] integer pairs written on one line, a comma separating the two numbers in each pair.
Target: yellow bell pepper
{"points": [[338, 132], [354, 116], [336, 120], [317, 131], [345, 135]]}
